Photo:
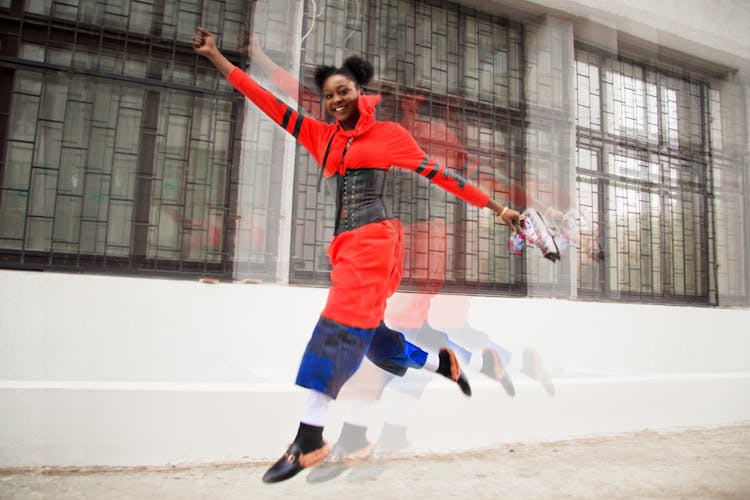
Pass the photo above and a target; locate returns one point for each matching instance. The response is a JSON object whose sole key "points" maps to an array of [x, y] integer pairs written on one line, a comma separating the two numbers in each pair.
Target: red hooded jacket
{"points": [[376, 144]]}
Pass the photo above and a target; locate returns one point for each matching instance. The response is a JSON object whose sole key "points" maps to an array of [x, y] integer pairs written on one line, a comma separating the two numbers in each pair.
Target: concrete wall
{"points": [[712, 30], [123, 371]]}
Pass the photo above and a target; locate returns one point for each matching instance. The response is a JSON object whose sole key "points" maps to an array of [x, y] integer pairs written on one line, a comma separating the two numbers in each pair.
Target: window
{"points": [[643, 182], [117, 149], [122, 151]]}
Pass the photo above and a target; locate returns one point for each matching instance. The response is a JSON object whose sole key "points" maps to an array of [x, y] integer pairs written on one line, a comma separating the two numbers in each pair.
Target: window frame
{"points": [[157, 52], [608, 143]]}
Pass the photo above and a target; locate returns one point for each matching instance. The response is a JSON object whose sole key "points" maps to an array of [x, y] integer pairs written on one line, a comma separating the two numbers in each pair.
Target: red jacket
{"points": [[376, 144]]}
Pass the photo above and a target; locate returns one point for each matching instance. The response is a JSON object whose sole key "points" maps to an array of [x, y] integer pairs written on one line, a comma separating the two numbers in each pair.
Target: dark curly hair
{"points": [[354, 67]]}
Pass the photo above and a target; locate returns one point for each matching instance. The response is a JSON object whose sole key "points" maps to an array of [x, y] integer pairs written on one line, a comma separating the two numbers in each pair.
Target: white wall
{"points": [[124, 371], [712, 30]]}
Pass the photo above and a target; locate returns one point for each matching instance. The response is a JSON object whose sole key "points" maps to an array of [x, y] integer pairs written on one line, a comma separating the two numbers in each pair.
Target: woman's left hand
{"points": [[511, 217]]}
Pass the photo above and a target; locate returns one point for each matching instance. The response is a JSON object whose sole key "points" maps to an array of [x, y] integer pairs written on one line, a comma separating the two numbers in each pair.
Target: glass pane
{"points": [[96, 197], [486, 62], [119, 229], [587, 235], [93, 237], [38, 234], [42, 192], [631, 103], [588, 94], [72, 171], [630, 165], [13, 218], [124, 169], [18, 165], [67, 223], [681, 113], [25, 106]]}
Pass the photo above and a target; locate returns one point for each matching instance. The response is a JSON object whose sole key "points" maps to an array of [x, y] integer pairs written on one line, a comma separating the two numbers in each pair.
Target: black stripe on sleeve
{"points": [[298, 125], [422, 165], [287, 115], [432, 173]]}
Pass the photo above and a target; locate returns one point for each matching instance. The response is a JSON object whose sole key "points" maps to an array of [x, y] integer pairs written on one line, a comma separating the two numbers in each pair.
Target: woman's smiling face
{"points": [[340, 96]]}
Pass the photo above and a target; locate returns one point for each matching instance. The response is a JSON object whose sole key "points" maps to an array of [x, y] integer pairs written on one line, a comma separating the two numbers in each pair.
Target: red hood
{"points": [[366, 106]]}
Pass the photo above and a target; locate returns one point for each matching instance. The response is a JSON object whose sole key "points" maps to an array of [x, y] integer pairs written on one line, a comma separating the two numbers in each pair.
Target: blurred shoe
{"points": [[533, 367], [493, 367], [392, 440], [338, 462]]}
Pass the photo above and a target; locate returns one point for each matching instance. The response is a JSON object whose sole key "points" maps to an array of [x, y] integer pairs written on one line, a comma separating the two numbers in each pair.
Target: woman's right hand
{"points": [[204, 43]]}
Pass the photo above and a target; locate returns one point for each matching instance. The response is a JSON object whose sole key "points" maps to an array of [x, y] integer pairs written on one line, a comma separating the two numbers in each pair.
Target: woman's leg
{"points": [[333, 354], [366, 262], [391, 351], [366, 271]]}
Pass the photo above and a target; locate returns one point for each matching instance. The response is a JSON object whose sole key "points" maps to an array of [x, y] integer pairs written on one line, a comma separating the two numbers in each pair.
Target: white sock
{"points": [[432, 363], [316, 409]]}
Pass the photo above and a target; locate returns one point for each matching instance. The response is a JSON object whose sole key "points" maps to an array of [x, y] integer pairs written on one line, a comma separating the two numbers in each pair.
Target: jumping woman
{"points": [[355, 154]]}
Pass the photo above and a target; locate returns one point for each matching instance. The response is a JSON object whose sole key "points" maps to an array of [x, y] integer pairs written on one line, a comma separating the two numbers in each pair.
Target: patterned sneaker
{"points": [[538, 234]]}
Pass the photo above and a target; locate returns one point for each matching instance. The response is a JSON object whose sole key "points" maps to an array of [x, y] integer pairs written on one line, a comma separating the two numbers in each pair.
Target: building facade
{"points": [[124, 153]]}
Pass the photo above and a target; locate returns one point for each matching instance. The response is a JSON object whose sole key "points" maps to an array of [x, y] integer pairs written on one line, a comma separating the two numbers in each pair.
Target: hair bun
{"points": [[360, 69], [354, 67], [322, 73]]}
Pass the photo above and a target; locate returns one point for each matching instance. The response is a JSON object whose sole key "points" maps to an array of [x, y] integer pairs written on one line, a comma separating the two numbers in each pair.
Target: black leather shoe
{"points": [[293, 461], [463, 384], [454, 371]]}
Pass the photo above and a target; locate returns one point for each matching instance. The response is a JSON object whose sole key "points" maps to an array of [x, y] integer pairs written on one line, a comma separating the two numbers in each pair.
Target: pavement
{"points": [[701, 463]]}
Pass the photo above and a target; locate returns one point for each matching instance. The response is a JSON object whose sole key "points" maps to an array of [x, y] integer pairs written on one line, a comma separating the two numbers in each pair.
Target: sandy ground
{"points": [[703, 463]]}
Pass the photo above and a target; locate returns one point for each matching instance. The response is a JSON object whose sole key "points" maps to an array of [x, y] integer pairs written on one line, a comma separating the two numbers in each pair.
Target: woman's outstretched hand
{"points": [[204, 42], [511, 217], [507, 214]]}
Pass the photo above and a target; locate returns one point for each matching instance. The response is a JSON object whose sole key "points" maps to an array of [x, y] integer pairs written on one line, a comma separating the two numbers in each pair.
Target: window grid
{"points": [[644, 195], [119, 139], [119, 150]]}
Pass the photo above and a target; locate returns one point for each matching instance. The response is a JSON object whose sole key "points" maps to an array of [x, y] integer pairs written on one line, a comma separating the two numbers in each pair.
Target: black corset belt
{"points": [[359, 198]]}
